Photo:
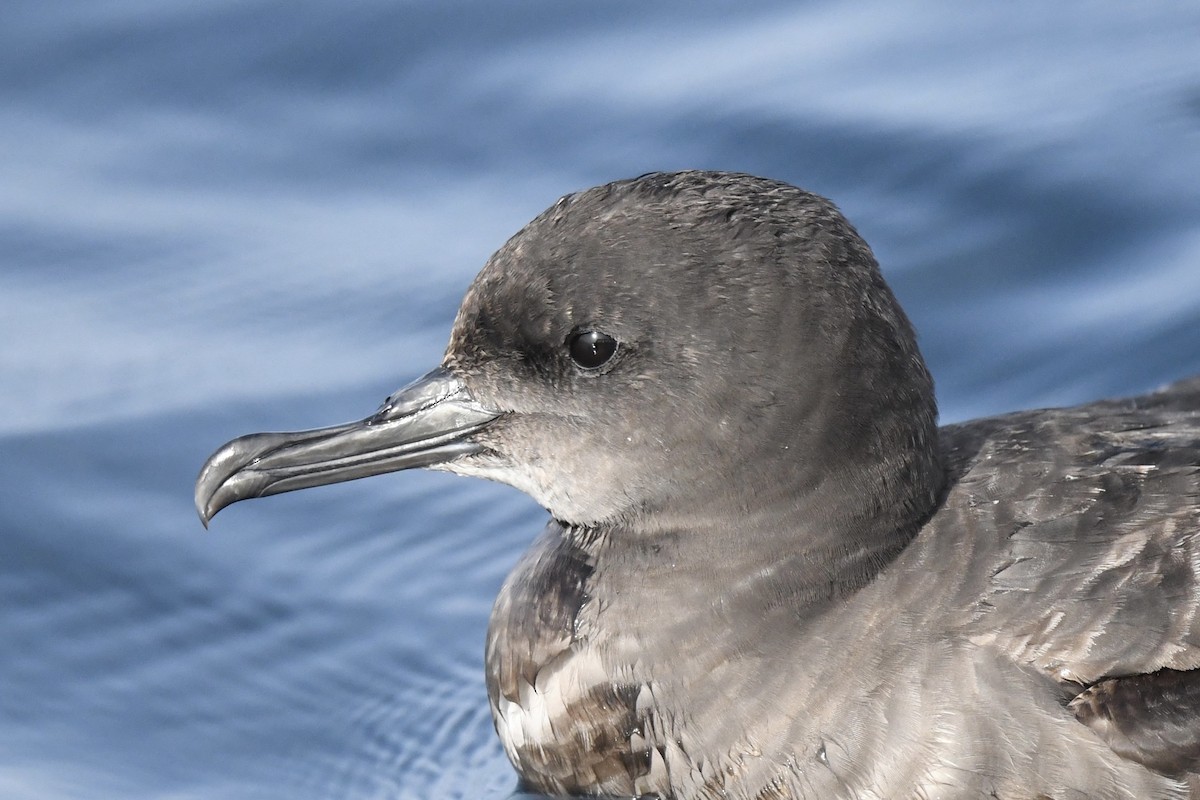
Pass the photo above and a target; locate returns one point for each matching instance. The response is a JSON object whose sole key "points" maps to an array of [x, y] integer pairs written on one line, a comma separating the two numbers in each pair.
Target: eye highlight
{"points": [[591, 349]]}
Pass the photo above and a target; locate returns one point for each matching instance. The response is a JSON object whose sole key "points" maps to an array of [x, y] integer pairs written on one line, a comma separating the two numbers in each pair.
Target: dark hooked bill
{"points": [[428, 422]]}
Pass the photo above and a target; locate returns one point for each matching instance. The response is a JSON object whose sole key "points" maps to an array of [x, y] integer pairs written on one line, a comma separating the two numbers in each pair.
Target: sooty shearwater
{"points": [[768, 573]]}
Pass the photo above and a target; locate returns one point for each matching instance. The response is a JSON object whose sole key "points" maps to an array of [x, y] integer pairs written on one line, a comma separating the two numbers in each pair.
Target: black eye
{"points": [[591, 349]]}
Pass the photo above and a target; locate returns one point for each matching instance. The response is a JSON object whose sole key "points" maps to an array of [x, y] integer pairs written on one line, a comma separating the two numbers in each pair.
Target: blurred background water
{"points": [[225, 217]]}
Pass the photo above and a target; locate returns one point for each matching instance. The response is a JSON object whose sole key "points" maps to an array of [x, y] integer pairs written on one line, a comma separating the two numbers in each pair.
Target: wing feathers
{"points": [[1152, 719]]}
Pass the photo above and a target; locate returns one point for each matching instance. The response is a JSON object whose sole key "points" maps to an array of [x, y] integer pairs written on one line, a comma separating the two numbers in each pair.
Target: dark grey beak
{"points": [[428, 422]]}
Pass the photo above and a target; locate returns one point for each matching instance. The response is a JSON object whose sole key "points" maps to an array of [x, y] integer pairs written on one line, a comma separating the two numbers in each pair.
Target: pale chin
{"points": [[563, 506]]}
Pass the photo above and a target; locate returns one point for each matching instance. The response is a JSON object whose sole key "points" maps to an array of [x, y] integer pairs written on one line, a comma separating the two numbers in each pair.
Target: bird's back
{"points": [[1077, 532]]}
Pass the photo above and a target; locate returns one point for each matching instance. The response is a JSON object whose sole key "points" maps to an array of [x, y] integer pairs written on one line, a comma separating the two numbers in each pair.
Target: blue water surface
{"points": [[225, 217]]}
